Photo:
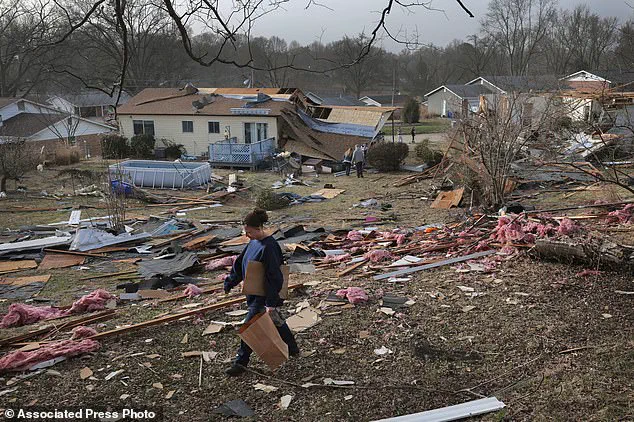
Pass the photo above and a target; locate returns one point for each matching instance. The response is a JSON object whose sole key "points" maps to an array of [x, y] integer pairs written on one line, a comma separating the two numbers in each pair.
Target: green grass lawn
{"points": [[426, 126]]}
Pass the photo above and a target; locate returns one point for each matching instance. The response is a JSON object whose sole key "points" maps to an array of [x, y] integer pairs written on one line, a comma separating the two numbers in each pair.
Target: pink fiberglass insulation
{"points": [[567, 227], [541, 230], [353, 294], [82, 332], [378, 255], [623, 216], [94, 301], [227, 261], [510, 230], [18, 361], [336, 258], [20, 314], [192, 290], [354, 235]]}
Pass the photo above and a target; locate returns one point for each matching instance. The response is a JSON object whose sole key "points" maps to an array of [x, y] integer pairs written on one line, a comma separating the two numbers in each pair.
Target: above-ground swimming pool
{"points": [[161, 174]]}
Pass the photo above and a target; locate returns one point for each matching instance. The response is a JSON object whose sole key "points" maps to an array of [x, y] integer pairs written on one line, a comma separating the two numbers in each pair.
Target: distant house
{"points": [[283, 117], [93, 105], [518, 84], [454, 101], [43, 125], [342, 100], [397, 101]]}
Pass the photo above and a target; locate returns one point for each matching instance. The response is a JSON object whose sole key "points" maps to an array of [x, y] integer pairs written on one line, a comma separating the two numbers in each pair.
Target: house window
{"points": [[21, 105], [255, 132], [143, 127], [214, 127], [188, 126]]}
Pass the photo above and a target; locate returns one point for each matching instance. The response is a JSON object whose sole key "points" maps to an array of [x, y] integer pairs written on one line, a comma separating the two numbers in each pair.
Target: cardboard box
{"points": [[254, 280], [261, 334]]}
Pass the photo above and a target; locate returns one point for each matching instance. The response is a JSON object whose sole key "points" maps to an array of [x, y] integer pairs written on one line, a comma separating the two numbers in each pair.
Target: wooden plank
{"points": [[92, 255], [88, 319], [351, 268], [174, 317], [167, 318], [199, 242], [25, 264], [54, 260], [434, 265]]}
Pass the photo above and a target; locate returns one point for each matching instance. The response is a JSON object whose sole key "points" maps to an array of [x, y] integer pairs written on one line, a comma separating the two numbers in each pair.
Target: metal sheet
{"points": [[434, 265], [88, 239], [452, 413], [46, 242], [167, 267]]}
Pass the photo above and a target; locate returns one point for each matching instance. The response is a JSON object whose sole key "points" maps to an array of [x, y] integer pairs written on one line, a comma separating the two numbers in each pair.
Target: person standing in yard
{"points": [[347, 160], [400, 135], [265, 249], [357, 158], [413, 133]]}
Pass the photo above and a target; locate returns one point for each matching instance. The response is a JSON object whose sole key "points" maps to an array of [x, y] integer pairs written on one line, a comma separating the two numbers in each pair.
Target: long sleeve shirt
{"points": [[358, 156], [268, 252]]}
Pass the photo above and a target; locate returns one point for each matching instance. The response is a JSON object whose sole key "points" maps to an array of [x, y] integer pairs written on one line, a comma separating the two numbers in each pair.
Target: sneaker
{"points": [[235, 370]]}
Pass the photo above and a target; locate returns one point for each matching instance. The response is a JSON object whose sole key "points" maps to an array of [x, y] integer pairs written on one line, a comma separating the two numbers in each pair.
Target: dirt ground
{"points": [[550, 344]]}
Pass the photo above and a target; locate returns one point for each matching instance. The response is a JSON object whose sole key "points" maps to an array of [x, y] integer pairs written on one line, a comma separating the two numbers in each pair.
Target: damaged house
{"points": [[242, 126]]}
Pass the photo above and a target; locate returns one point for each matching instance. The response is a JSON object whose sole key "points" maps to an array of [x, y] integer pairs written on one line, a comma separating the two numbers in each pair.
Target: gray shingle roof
{"points": [[469, 91]]}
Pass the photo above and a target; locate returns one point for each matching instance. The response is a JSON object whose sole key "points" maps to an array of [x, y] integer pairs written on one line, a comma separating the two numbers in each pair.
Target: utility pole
{"points": [[393, 89]]}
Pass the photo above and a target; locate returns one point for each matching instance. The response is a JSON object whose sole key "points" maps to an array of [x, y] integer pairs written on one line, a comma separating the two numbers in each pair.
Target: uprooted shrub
{"points": [[269, 200], [387, 156], [429, 156], [115, 146], [142, 146]]}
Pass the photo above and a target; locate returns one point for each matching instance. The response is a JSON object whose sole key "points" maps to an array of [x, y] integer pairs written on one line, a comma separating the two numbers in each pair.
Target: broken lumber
{"points": [[351, 268], [174, 317], [88, 319], [92, 255], [434, 265]]}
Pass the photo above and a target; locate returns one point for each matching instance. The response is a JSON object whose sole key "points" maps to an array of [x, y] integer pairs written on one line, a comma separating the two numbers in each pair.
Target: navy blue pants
{"points": [[244, 352]]}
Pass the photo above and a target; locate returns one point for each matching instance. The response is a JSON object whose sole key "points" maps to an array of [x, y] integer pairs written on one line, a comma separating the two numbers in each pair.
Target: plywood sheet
{"points": [[25, 264], [21, 281], [329, 193], [55, 260]]}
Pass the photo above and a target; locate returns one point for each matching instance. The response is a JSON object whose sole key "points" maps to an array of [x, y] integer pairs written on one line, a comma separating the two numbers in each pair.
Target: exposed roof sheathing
{"points": [[172, 101]]}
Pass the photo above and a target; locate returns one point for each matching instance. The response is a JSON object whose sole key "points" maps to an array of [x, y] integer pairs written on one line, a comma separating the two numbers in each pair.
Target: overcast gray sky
{"points": [[353, 16]]}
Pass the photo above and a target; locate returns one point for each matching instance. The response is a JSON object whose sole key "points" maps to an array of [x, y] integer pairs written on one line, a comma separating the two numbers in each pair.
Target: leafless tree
{"points": [[362, 74], [24, 27], [229, 22], [497, 136], [519, 27]]}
